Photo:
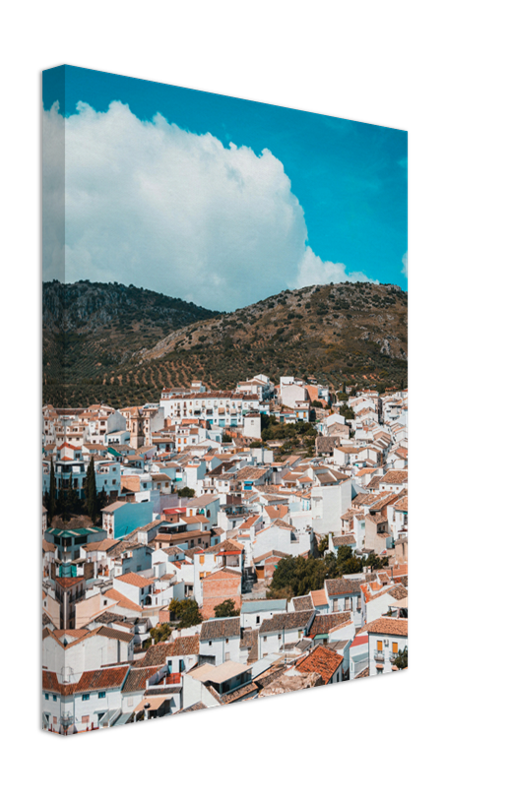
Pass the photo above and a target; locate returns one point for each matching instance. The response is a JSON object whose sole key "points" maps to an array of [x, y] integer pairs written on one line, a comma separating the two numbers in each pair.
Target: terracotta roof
{"points": [[323, 661], [303, 603], [219, 628], [122, 601], [288, 621], [158, 653], [397, 476], [402, 505], [323, 623], [337, 586], [389, 626], [109, 678], [363, 674], [218, 574], [399, 592], [135, 580], [264, 556], [319, 597], [339, 541], [137, 679]]}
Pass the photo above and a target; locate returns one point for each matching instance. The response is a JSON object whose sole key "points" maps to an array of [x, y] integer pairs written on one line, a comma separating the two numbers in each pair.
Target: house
{"points": [[394, 480], [254, 612], [377, 600], [220, 640], [92, 702], [71, 652], [265, 564], [120, 518], [283, 629], [359, 655], [387, 637], [283, 537], [329, 500], [178, 656], [323, 661], [226, 554], [206, 506], [331, 627], [344, 595], [216, 685], [224, 584], [135, 587]]}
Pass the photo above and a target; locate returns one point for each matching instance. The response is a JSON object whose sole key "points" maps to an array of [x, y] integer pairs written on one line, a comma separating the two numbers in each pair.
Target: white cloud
{"points": [[313, 270], [151, 204], [405, 265]]}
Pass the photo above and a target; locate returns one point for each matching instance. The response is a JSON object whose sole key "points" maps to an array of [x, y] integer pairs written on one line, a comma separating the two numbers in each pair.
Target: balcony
{"points": [[379, 656]]}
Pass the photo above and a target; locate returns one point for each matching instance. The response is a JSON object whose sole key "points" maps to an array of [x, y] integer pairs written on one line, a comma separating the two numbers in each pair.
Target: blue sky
{"points": [[344, 186]]}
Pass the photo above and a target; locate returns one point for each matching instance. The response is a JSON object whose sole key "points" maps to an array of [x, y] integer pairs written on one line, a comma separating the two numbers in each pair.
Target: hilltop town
{"points": [[220, 546]]}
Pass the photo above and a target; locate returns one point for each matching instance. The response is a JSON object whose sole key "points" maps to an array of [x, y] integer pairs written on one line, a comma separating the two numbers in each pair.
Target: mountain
{"points": [[90, 330], [123, 344]]}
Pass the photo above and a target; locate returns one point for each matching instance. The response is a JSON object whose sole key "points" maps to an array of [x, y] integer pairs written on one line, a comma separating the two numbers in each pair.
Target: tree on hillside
{"points": [[91, 492], [186, 491], [375, 562], [52, 501], [226, 609], [186, 612], [160, 633]]}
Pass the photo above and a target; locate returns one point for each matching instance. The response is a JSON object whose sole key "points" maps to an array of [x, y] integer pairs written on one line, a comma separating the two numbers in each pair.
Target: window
{"points": [[257, 620], [101, 695], [395, 648], [279, 636], [85, 719], [335, 604], [348, 604], [86, 697], [210, 644], [379, 646], [202, 558], [46, 696], [226, 656], [55, 698]]}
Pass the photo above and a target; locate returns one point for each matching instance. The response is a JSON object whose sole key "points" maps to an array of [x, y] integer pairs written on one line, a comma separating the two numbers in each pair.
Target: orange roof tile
{"points": [[323, 661]]}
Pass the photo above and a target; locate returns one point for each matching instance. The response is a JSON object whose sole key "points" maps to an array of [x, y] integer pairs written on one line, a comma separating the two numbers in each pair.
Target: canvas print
{"points": [[224, 401]]}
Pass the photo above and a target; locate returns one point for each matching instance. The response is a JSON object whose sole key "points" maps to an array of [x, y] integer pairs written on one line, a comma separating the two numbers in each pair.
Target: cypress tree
{"points": [[52, 502], [91, 492]]}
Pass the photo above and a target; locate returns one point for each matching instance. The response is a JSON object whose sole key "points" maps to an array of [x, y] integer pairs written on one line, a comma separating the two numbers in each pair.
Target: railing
{"points": [[379, 656]]}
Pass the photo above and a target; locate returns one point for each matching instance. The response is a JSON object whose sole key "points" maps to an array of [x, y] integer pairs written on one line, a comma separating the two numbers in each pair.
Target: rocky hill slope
{"points": [[123, 344]]}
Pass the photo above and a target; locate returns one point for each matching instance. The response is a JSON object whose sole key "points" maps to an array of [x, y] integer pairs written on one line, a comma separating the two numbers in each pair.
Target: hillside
{"points": [[353, 333], [90, 330]]}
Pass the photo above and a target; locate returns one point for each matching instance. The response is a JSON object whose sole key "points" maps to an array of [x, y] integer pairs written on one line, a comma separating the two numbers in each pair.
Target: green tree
{"points": [[160, 633], [91, 503], [226, 609], [226, 438], [375, 562], [323, 544], [52, 501], [186, 491], [401, 660], [74, 501], [186, 612]]}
